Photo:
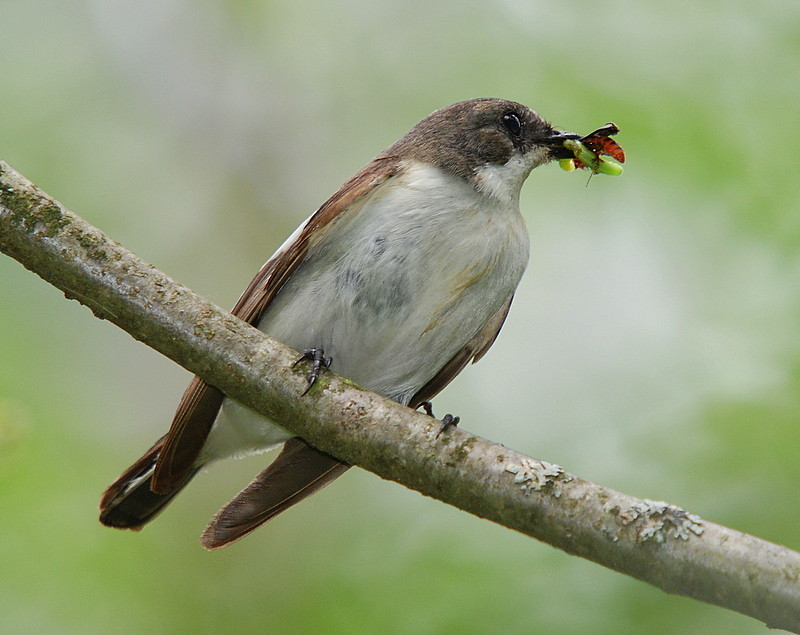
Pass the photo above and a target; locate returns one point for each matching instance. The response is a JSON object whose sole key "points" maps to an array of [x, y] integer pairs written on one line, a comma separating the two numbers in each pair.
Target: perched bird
{"points": [[398, 281]]}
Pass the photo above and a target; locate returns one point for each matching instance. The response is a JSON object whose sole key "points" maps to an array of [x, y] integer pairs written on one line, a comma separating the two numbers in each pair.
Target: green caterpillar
{"points": [[598, 164]]}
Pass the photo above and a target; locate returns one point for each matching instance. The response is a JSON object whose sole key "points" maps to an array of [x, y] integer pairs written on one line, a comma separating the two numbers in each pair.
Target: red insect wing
{"points": [[600, 142]]}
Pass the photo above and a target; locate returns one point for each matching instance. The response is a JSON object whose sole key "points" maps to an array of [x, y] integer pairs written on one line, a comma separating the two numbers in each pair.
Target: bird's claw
{"points": [[448, 421], [319, 363]]}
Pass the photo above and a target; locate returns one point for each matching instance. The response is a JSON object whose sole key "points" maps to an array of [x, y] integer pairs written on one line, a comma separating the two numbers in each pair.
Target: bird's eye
{"points": [[512, 123]]}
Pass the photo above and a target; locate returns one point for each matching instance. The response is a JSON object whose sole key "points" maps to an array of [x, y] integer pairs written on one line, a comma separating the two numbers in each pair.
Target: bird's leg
{"points": [[427, 406], [319, 363]]}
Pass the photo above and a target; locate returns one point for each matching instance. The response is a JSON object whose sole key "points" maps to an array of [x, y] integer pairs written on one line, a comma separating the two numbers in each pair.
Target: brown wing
{"points": [[276, 271], [201, 402], [130, 503], [473, 350], [138, 469]]}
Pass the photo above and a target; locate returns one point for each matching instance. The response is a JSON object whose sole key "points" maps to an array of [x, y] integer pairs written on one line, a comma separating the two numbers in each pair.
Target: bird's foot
{"points": [[319, 363], [448, 421]]}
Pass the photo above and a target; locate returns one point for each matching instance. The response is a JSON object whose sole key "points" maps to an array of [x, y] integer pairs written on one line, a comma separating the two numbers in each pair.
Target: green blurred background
{"points": [[653, 346]]}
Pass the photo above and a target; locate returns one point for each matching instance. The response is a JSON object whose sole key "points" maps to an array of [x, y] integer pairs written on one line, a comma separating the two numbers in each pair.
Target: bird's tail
{"points": [[297, 472], [129, 503]]}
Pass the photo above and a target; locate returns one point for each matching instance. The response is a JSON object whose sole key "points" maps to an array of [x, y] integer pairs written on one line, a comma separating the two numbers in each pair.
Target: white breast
{"points": [[399, 288], [394, 291]]}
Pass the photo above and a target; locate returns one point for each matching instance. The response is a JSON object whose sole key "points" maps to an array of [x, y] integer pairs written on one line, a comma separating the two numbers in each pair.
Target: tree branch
{"points": [[654, 542]]}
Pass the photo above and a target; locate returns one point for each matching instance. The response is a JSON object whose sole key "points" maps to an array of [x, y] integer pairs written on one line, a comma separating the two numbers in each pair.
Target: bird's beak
{"points": [[555, 141]]}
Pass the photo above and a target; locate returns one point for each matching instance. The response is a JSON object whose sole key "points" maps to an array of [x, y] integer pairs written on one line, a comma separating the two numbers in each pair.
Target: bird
{"points": [[397, 282]]}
